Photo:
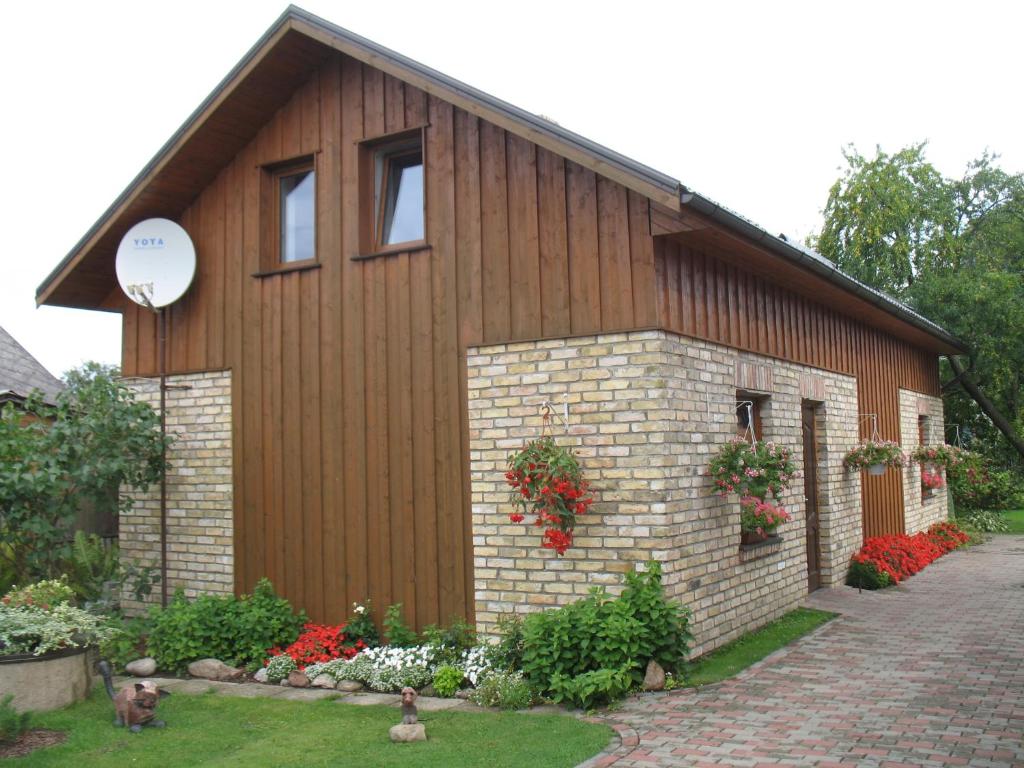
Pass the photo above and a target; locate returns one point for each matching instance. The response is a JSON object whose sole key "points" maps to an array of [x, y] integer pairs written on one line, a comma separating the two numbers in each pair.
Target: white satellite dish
{"points": [[156, 262]]}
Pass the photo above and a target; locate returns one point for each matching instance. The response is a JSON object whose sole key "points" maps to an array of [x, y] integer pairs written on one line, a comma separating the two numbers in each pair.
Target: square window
{"points": [[748, 415]]}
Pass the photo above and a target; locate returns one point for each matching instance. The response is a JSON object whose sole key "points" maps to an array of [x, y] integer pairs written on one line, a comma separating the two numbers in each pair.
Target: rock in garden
{"points": [[261, 675], [463, 693], [141, 667], [213, 669], [414, 732], [323, 681], [654, 679], [427, 690], [298, 679], [349, 686]]}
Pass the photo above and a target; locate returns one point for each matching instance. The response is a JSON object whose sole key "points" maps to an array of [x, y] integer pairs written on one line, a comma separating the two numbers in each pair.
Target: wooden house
{"points": [[395, 270]]}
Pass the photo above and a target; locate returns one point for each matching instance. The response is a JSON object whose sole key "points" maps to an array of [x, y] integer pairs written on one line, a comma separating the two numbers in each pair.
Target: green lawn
{"points": [[222, 730], [733, 658], [1015, 519]]}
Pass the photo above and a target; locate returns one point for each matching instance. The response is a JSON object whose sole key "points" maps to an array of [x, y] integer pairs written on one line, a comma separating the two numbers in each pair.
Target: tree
{"points": [[954, 250], [94, 443]]}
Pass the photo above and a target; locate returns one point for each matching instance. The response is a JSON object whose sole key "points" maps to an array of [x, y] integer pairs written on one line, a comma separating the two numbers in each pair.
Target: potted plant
{"points": [[931, 480], [547, 482], [43, 645], [875, 456], [754, 472], [944, 456], [759, 519]]}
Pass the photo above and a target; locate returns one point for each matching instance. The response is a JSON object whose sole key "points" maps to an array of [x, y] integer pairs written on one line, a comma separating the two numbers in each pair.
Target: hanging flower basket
{"points": [[931, 480], [755, 472], [547, 482], [944, 456], [759, 519], [874, 453]]}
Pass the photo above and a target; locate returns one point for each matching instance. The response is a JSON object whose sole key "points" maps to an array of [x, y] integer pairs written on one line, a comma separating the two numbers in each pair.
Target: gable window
{"points": [[296, 213], [288, 215], [392, 198]]}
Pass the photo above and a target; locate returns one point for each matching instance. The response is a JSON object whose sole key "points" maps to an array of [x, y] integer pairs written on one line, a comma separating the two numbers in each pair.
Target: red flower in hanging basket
{"points": [[546, 481]]}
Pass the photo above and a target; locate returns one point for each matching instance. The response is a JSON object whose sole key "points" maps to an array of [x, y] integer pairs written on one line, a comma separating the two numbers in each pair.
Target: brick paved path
{"points": [[928, 674]]}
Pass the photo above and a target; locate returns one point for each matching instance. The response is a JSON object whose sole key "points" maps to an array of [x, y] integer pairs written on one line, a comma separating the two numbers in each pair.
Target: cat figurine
{"points": [[135, 705]]}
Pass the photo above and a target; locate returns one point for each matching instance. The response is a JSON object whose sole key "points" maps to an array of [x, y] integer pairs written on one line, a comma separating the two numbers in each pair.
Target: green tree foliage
{"points": [[954, 250], [96, 441]]}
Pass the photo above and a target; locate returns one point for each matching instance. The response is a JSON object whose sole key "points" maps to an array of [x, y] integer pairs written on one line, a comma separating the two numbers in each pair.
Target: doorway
{"points": [[810, 431]]}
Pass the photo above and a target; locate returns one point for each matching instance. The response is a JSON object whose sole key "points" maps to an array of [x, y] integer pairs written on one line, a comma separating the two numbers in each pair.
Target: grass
{"points": [[733, 658], [1015, 519], [227, 731]]}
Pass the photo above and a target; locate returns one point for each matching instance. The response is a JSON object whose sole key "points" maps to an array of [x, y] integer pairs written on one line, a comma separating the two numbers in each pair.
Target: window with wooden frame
{"points": [[922, 440], [289, 214], [393, 195]]}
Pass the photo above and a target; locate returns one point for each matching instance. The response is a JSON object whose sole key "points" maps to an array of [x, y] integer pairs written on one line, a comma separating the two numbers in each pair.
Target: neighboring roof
{"points": [[265, 77], [20, 373]]}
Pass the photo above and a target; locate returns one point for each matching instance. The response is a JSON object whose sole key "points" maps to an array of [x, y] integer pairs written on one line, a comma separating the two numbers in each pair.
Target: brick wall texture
{"points": [[647, 410], [921, 510], [200, 547]]}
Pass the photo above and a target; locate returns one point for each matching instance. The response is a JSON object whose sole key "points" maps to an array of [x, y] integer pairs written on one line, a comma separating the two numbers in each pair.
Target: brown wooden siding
{"points": [[350, 434], [702, 294]]}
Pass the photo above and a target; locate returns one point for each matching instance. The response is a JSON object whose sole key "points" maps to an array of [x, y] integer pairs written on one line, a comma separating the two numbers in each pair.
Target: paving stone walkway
{"points": [[930, 673]]}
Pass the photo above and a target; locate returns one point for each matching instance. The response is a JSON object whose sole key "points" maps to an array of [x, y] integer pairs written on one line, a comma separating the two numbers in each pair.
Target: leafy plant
{"points": [[450, 642], [12, 722], [547, 482], [599, 632], [360, 625], [95, 440], [507, 653], [872, 452], [91, 565], [586, 690], [127, 642], [36, 630], [396, 630], [866, 575], [238, 631], [447, 680], [45, 594], [505, 690], [752, 470], [139, 579], [982, 520], [977, 484]]}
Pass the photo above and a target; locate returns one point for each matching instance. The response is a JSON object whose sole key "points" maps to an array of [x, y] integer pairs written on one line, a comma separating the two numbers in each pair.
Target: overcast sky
{"points": [[748, 103]]}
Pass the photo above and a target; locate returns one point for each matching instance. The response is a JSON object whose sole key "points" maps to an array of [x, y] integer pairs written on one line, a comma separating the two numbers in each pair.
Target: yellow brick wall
{"points": [[200, 527], [921, 512], [647, 410]]}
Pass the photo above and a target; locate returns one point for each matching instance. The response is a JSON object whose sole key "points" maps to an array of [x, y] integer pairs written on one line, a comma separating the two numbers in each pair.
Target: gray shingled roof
{"points": [[20, 373]]}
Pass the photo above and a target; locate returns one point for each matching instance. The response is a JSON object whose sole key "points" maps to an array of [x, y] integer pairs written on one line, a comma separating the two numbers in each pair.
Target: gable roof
{"points": [[297, 43], [20, 373]]}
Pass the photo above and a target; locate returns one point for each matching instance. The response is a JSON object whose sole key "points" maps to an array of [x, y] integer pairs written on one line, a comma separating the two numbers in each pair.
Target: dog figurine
{"points": [[134, 705], [409, 716]]}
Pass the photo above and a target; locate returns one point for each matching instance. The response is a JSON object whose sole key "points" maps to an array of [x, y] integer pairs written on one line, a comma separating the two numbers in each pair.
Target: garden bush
{"points": [[447, 680], [12, 722], [37, 630], [505, 690], [507, 653], [601, 633], [396, 630], [885, 560], [598, 686], [449, 643], [238, 631], [127, 641], [976, 484], [982, 520]]}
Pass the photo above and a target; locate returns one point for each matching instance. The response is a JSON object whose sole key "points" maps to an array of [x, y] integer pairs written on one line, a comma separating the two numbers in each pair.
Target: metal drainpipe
{"points": [[163, 456]]}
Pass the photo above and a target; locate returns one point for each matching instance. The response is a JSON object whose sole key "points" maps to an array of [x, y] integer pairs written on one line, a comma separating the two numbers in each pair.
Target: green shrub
{"points": [[982, 520], [598, 686], [360, 625], [451, 642], [601, 633], [35, 630], [12, 722], [238, 631], [507, 653], [279, 667], [43, 594], [92, 563], [506, 690], [447, 680], [866, 576], [127, 642], [396, 630], [977, 484]]}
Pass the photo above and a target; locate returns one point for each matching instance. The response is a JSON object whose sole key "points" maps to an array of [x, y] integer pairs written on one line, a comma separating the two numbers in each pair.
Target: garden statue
{"points": [[135, 704], [409, 706]]}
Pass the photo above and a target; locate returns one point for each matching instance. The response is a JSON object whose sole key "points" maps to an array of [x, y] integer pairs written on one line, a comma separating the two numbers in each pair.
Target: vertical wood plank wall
{"points": [[351, 458], [704, 296]]}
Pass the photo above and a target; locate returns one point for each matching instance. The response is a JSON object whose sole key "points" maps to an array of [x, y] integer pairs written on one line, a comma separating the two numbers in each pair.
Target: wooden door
{"points": [[811, 497]]}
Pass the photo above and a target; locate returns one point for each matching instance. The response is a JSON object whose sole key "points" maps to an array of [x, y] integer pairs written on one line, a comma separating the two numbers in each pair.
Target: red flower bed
{"points": [[320, 643], [893, 558]]}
